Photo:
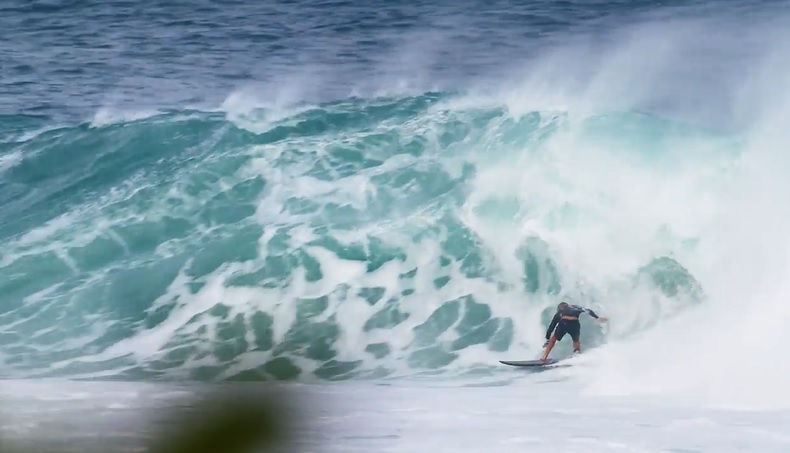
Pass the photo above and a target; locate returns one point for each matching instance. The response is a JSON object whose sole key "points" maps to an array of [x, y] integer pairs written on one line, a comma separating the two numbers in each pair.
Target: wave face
{"points": [[361, 238], [407, 191]]}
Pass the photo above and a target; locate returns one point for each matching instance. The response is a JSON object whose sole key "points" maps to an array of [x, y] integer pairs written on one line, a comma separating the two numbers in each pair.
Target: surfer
{"points": [[566, 320]]}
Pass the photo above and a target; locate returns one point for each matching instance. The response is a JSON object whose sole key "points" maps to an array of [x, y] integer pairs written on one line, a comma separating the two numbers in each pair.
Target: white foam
{"points": [[10, 160], [107, 116], [415, 417], [726, 352], [602, 205]]}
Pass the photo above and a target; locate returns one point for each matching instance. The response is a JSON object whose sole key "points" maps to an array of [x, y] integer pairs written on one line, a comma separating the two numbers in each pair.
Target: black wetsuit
{"points": [[571, 327]]}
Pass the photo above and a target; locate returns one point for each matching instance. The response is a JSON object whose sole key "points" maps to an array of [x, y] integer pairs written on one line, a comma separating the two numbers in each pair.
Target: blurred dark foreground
{"points": [[135, 417]]}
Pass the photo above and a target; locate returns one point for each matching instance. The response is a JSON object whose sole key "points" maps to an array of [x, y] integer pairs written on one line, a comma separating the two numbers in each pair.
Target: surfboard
{"points": [[532, 363]]}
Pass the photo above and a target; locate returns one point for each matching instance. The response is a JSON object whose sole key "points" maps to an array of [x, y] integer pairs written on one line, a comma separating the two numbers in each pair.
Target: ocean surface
{"points": [[354, 197]]}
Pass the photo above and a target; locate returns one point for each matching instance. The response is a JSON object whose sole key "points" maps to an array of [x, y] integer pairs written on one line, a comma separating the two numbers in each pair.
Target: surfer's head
{"points": [[562, 306]]}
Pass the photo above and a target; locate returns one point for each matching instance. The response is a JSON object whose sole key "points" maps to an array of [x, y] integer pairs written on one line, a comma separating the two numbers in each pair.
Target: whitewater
{"points": [[370, 206]]}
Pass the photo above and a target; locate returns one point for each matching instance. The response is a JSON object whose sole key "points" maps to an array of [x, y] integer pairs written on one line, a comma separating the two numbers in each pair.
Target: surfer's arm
{"points": [[592, 313], [553, 324]]}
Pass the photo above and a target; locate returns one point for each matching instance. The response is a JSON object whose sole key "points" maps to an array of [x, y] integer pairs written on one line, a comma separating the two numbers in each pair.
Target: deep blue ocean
{"points": [[335, 189]]}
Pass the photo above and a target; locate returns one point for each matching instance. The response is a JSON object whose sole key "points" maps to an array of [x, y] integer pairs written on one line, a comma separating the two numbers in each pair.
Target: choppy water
{"points": [[336, 190]]}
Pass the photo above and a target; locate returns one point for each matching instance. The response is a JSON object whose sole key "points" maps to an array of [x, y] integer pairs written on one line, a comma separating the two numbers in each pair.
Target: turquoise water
{"points": [[342, 240], [332, 191]]}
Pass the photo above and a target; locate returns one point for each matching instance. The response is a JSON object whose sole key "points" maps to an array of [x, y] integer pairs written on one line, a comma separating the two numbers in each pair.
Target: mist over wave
{"points": [[724, 352], [368, 236], [402, 229]]}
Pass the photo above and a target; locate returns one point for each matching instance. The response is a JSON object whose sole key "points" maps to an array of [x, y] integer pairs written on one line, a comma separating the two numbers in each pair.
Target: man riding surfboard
{"points": [[566, 320]]}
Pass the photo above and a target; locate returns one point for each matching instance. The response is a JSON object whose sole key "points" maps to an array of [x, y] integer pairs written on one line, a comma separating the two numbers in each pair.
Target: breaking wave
{"points": [[360, 238]]}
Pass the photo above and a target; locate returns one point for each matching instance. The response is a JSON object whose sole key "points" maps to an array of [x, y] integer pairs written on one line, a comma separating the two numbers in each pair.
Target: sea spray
{"points": [[362, 238]]}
